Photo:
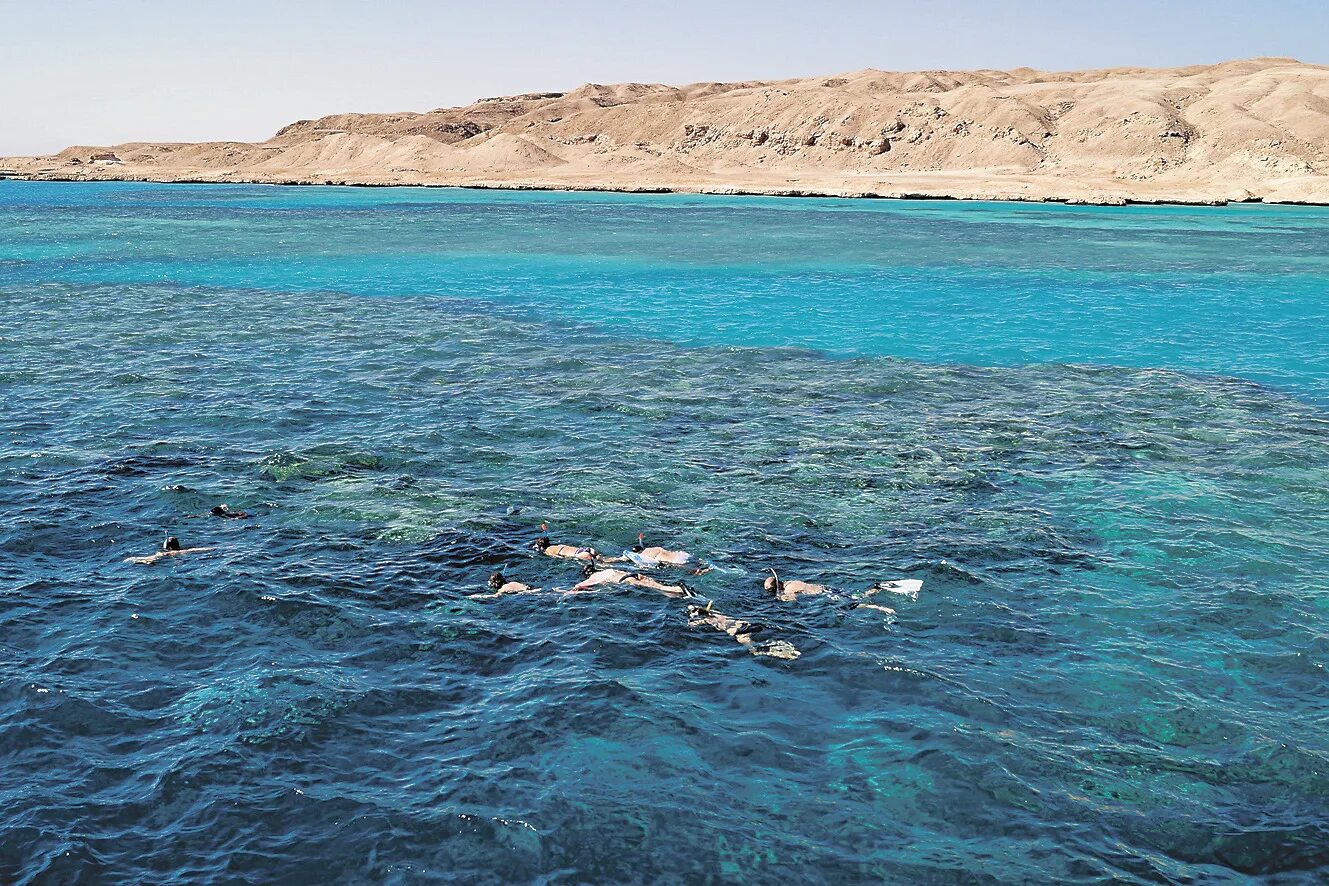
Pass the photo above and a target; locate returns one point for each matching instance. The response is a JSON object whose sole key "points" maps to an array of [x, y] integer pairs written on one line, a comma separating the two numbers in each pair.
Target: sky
{"points": [[98, 73]]}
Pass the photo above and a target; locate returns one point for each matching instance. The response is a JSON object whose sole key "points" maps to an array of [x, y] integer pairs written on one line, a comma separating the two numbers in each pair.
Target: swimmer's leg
{"points": [[776, 649], [905, 587]]}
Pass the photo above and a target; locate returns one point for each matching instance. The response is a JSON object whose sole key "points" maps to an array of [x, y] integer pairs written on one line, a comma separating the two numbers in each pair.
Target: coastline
{"points": [[981, 191]]}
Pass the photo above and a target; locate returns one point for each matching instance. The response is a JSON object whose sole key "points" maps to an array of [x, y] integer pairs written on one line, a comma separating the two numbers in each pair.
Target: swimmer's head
{"points": [[637, 549], [171, 543], [221, 510], [541, 543], [497, 580], [773, 583]]}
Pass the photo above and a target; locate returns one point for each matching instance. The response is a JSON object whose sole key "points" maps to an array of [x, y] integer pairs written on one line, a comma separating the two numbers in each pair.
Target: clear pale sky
{"points": [[80, 72]]}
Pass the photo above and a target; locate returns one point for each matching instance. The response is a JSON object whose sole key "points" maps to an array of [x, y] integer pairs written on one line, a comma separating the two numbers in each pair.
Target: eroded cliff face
{"points": [[1255, 129]]}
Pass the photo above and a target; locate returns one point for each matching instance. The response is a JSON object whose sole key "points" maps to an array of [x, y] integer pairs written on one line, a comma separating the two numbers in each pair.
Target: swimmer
{"points": [[597, 577], [564, 552], [742, 632], [499, 585], [650, 557], [170, 548], [225, 512], [789, 591]]}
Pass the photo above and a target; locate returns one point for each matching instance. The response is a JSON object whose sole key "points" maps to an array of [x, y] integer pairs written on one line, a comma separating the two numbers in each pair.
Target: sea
{"points": [[1099, 437]]}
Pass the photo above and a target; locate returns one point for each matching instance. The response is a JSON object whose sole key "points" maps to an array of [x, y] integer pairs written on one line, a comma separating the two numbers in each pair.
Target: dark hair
{"points": [[541, 543], [171, 543], [496, 580], [220, 510], [637, 549], [588, 568]]}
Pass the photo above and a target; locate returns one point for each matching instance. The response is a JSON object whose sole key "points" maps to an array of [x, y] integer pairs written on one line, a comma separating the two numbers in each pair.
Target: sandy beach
{"points": [[1255, 130]]}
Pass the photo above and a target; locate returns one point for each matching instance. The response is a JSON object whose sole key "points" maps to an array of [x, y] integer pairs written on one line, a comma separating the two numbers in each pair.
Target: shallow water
{"points": [[1097, 435]]}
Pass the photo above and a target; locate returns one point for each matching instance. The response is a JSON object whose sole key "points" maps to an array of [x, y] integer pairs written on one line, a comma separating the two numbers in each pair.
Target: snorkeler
{"points": [[542, 545], [499, 585], [650, 557], [789, 591], [741, 631], [170, 548], [597, 577], [225, 512]]}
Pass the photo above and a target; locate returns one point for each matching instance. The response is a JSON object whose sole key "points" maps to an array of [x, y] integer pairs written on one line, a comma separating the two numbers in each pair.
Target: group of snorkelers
{"points": [[599, 571]]}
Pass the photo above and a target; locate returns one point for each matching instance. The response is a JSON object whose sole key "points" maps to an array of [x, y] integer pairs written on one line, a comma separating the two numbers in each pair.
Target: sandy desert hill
{"points": [[1245, 130]]}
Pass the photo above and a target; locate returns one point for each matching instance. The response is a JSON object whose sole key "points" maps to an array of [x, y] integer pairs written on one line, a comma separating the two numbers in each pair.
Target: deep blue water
{"points": [[1097, 435]]}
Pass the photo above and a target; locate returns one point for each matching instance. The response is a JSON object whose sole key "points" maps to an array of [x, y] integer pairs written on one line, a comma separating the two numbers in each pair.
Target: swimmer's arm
{"points": [[153, 558], [145, 561], [494, 595]]}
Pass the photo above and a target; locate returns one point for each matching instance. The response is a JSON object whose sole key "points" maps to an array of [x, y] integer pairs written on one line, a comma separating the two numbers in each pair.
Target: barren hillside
{"points": [[1245, 130]]}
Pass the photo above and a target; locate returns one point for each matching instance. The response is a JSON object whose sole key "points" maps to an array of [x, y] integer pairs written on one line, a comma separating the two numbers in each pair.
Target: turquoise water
{"points": [[1097, 435]]}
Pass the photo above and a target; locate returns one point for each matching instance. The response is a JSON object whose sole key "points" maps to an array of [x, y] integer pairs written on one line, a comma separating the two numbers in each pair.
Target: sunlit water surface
{"points": [[1098, 436]]}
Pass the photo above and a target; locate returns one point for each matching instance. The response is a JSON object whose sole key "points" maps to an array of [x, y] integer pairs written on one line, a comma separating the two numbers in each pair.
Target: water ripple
{"points": [[1115, 670]]}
